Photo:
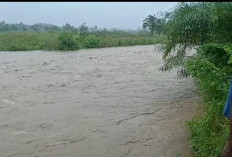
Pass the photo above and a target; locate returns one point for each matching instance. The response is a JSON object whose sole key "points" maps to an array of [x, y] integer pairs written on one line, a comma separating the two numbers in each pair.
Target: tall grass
{"points": [[23, 41], [111, 41]]}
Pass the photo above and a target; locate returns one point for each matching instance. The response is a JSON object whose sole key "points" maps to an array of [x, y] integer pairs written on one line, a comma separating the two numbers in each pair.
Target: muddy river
{"points": [[108, 102]]}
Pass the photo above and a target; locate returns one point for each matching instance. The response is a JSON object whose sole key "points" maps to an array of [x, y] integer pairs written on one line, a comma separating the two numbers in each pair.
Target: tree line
{"points": [[43, 27]]}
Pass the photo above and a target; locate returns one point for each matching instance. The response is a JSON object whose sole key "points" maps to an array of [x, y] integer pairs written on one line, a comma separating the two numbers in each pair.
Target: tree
{"points": [[2, 23], [68, 27], [83, 28], [154, 24], [67, 41], [149, 23], [94, 29], [201, 24], [195, 23]]}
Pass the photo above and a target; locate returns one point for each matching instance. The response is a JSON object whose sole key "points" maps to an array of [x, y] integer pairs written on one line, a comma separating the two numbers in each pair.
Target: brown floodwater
{"points": [[108, 102]]}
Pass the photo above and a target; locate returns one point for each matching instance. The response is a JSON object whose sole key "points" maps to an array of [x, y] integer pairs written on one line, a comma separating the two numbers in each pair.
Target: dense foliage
{"points": [[71, 40], [21, 41], [212, 70], [195, 23], [42, 36], [207, 25], [38, 27], [154, 24]]}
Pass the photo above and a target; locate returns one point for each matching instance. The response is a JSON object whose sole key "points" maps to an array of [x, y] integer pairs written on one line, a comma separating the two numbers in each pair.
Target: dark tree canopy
{"points": [[154, 24]]}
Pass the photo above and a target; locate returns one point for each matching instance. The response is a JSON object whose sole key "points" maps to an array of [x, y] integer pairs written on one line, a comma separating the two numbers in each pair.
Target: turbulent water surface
{"points": [[109, 102]]}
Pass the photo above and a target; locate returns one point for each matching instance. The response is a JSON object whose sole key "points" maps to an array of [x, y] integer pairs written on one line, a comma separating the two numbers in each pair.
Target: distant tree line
{"points": [[43, 27]]}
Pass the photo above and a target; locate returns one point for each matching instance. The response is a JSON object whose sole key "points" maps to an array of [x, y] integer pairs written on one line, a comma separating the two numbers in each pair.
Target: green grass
{"points": [[112, 41], [23, 41]]}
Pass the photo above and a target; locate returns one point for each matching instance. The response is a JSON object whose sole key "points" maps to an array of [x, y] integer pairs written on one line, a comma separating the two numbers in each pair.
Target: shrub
{"points": [[22, 41], [89, 40], [211, 69], [67, 41]]}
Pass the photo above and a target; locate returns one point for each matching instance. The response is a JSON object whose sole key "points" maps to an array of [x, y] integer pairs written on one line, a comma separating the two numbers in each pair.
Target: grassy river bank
{"points": [[25, 41]]}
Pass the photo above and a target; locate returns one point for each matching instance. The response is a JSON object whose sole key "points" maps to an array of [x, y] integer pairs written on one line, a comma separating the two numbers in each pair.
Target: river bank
{"points": [[61, 41]]}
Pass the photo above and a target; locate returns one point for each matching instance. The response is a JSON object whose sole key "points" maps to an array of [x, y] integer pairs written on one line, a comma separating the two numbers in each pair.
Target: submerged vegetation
{"points": [[208, 26]]}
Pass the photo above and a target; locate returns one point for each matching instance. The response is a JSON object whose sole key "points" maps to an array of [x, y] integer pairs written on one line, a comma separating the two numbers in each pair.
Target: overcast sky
{"points": [[122, 15]]}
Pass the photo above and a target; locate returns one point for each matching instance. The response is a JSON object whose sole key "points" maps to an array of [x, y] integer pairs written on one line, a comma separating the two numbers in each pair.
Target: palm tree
{"points": [[83, 28], [154, 24], [149, 23]]}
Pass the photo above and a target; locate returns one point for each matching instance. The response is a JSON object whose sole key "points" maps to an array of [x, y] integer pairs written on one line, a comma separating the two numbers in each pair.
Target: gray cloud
{"points": [[122, 15]]}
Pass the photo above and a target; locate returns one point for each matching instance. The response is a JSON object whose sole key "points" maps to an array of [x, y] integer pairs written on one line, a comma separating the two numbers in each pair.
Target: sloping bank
{"points": [[211, 68], [26, 41]]}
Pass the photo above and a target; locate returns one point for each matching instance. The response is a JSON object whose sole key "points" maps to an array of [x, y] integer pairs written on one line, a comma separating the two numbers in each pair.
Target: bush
{"points": [[22, 41], [67, 41], [89, 40], [211, 69]]}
